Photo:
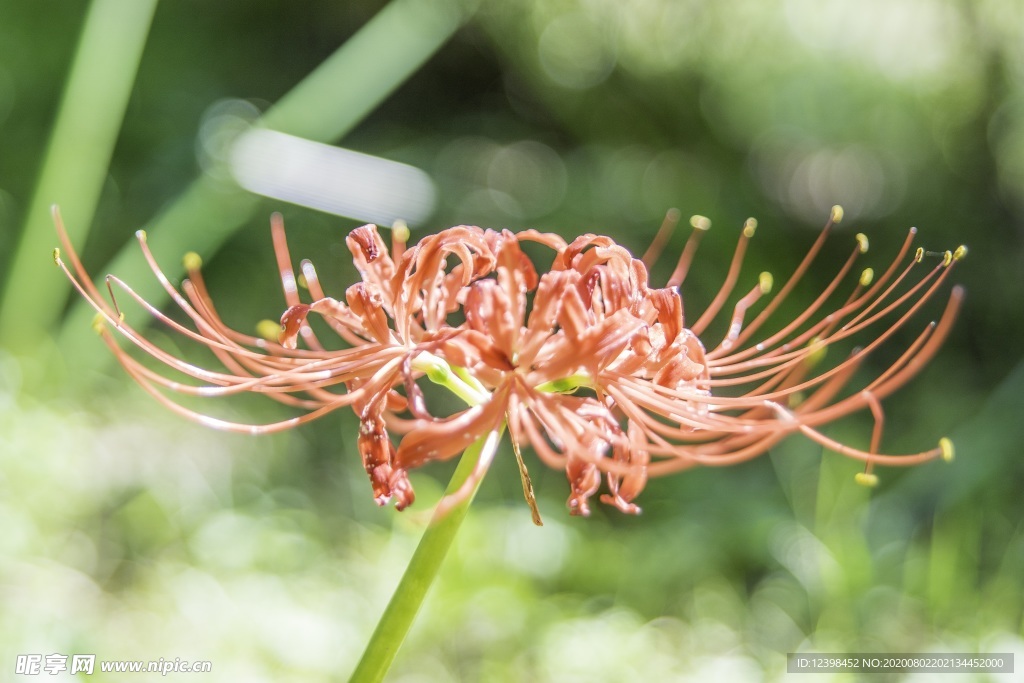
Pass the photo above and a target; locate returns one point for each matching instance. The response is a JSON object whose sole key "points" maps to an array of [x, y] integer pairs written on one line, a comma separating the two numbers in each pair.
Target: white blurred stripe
{"points": [[331, 179]]}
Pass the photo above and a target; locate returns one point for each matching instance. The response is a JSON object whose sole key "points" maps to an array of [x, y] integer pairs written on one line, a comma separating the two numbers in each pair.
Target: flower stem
{"points": [[422, 570]]}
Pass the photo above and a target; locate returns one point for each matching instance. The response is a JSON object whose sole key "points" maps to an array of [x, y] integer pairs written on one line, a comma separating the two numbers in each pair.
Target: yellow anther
{"points": [[141, 235], [960, 252], [268, 329], [700, 222], [56, 256], [99, 322], [947, 257], [866, 479], [765, 282], [862, 242], [400, 230], [919, 256], [749, 227], [837, 213], [192, 261], [817, 350], [948, 452], [302, 282], [866, 276]]}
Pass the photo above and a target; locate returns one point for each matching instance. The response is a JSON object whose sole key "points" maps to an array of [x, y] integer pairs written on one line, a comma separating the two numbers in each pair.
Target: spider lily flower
{"points": [[595, 369]]}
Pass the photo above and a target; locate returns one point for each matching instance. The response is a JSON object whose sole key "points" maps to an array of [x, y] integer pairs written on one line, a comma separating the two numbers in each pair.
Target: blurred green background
{"points": [[131, 534]]}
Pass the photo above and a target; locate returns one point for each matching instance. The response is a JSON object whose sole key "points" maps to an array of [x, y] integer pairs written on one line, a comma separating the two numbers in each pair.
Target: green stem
{"points": [[422, 570]]}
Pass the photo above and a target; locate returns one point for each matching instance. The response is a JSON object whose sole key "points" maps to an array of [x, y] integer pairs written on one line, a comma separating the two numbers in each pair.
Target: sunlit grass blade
{"points": [[75, 166], [322, 107]]}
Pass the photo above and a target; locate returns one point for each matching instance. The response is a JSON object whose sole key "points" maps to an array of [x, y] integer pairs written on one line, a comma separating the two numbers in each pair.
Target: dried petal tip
{"points": [[291, 323], [765, 282], [948, 452], [700, 222], [400, 230], [268, 329], [363, 237], [862, 241], [749, 227], [960, 252], [401, 489], [837, 214], [866, 277], [866, 479], [192, 261]]}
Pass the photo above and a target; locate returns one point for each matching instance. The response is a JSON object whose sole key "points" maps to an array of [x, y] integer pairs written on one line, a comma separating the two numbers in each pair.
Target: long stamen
{"points": [[847, 330], [700, 225], [867, 477], [668, 226], [834, 217], [739, 311], [749, 227], [288, 281]]}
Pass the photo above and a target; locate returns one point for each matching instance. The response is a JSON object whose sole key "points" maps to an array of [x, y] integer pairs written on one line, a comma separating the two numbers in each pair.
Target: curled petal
{"points": [[292, 321], [377, 453], [443, 439], [624, 488], [584, 480], [365, 301], [669, 308], [488, 312], [365, 243]]}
